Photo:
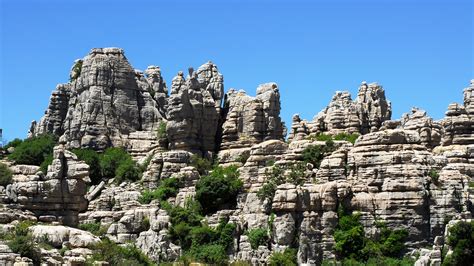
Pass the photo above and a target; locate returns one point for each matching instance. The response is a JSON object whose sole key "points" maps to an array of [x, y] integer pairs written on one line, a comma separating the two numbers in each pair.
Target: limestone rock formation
{"points": [[194, 108], [104, 102], [250, 120], [57, 196], [363, 115], [430, 131]]}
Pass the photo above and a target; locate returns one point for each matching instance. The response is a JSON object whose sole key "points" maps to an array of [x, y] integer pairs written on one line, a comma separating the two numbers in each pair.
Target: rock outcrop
{"points": [[104, 102], [343, 115]]}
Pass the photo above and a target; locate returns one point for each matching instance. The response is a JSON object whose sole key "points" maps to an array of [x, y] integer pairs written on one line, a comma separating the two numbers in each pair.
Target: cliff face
{"points": [[386, 175]]}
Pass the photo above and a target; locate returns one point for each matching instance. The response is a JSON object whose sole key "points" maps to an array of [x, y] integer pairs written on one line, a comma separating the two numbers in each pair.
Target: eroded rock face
{"points": [[250, 120], [194, 108], [430, 131], [57, 196], [105, 101], [363, 115]]}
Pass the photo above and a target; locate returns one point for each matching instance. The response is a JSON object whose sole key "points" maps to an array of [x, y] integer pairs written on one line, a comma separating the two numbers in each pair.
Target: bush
{"points": [[14, 143], [107, 250], [21, 241], [352, 244], [94, 228], [33, 150], [209, 253], [257, 237], [161, 131], [76, 70], [47, 162], [5, 175], [168, 188], [347, 137], [314, 154], [91, 158], [202, 165], [218, 188], [434, 175], [111, 159], [127, 170], [320, 137], [285, 258], [461, 240]]}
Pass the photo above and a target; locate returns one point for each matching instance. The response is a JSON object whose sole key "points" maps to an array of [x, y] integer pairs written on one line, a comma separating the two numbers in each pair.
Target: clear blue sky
{"points": [[420, 51]]}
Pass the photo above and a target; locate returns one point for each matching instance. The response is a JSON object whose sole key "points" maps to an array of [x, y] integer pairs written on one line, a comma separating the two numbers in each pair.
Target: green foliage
{"points": [[461, 240], [278, 175], [209, 253], [434, 175], [161, 131], [116, 162], [314, 154], [372, 262], [285, 258], [21, 241], [168, 188], [95, 228], [76, 70], [320, 137], [14, 143], [127, 170], [202, 165], [199, 241], [33, 150], [109, 251], [5, 175], [48, 160], [351, 242], [257, 237], [219, 188], [347, 137], [91, 158]]}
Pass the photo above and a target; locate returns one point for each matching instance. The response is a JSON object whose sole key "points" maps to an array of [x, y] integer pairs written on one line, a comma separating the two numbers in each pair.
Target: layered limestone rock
{"points": [[194, 108], [343, 115], [104, 102], [430, 131], [57, 196], [250, 120]]}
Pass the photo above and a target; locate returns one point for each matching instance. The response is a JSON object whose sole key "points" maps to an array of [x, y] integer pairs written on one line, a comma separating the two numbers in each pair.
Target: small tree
{"points": [[5, 175], [34, 150]]}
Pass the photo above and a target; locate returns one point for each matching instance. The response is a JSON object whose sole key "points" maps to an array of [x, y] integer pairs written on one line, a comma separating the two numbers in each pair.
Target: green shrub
{"points": [[161, 131], [76, 70], [14, 143], [202, 165], [21, 241], [91, 158], [347, 137], [320, 137], [209, 253], [219, 188], [285, 258], [48, 160], [5, 175], [257, 237], [352, 244], [461, 240], [107, 250], [95, 228], [33, 150], [314, 154], [168, 188], [434, 175], [127, 170], [111, 159]]}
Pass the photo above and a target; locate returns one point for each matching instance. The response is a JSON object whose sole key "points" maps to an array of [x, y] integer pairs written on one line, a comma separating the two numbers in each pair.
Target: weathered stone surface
{"points": [[105, 101], [363, 115], [60, 194], [430, 131], [194, 108], [250, 120], [57, 236]]}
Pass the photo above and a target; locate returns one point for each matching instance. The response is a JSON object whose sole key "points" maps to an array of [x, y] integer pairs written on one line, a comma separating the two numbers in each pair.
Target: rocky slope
{"points": [[413, 173]]}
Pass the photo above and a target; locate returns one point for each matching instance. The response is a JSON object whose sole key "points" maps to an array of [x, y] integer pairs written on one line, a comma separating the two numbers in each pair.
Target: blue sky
{"points": [[420, 51]]}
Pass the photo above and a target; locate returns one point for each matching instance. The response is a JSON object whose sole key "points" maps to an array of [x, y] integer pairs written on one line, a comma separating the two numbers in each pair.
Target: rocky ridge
{"points": [[386, 175]]}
